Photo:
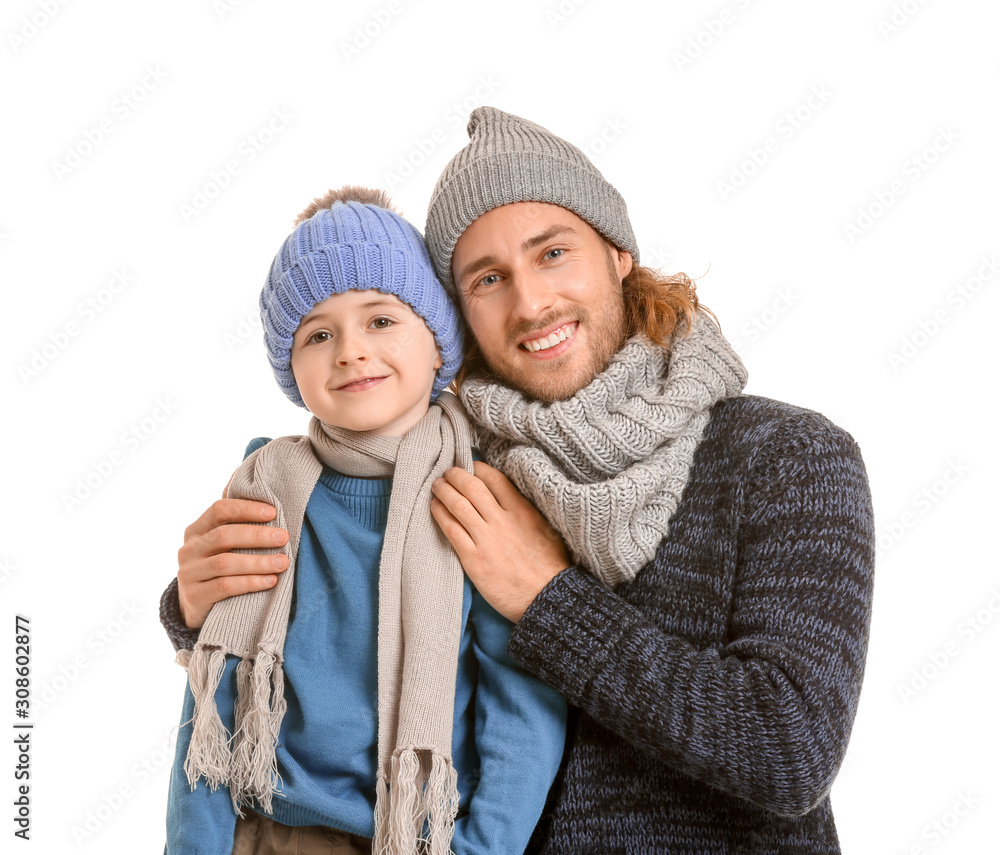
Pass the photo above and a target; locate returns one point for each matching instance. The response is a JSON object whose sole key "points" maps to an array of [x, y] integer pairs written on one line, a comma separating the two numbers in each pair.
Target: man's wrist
{"points": [[181, 636]]}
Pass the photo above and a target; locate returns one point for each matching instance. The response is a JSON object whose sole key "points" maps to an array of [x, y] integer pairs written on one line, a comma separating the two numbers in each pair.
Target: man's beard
{"points": [[550, 382]]}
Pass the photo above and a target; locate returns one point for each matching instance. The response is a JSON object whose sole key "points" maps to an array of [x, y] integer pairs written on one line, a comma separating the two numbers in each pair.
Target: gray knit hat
{"points": [[510, 160]]}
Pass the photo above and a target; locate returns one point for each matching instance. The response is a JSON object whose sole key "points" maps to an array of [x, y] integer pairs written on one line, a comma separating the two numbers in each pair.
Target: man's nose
{"points": [[532, 294]]}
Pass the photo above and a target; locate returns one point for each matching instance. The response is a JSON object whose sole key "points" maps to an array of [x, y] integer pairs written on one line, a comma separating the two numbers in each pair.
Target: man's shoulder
{"points": [[755, 423], [754, 414]]}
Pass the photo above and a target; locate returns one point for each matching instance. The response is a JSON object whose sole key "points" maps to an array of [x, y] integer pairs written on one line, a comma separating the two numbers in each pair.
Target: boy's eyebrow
{"points": [[529, 243], [373, 303]]}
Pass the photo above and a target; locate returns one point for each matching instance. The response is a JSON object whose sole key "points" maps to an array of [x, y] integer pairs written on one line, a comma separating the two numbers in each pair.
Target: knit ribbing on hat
{"points": [[353, 246], [509, 159]]}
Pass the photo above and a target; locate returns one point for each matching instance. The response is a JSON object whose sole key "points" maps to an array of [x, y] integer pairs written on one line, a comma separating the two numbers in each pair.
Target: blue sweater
{"points": [[509, 729]]}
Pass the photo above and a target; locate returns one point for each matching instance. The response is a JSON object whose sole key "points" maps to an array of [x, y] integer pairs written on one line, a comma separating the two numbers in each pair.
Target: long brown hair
{"points": [[655, 303]]}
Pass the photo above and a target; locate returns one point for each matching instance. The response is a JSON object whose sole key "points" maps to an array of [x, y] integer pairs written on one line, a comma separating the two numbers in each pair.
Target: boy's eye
{"points": [[382, 323], [319, 337]]}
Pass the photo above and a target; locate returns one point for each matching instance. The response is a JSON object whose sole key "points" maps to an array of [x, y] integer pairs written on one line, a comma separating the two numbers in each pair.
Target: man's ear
{"points": [[623, 261]]}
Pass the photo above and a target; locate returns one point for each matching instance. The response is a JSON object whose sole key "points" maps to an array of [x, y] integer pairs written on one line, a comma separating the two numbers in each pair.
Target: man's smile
{"points": [[551, 339]]}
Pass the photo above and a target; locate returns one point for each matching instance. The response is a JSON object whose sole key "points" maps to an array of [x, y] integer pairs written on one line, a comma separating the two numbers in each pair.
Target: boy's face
{"points": [[365, 361]]}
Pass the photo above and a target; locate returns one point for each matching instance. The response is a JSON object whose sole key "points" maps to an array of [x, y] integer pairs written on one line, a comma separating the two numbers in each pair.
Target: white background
{"points": [[119, 120]]}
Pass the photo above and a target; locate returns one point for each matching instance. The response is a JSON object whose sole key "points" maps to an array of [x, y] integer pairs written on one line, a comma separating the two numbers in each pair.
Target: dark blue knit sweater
{"points": [[714, 693]]}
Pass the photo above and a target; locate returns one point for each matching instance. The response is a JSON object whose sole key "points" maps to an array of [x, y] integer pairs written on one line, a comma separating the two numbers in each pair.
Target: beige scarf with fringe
{"points": [[419, 630]]}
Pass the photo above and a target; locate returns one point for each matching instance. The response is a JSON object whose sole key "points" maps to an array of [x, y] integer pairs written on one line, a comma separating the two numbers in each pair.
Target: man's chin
{"points": [[545, 387]]}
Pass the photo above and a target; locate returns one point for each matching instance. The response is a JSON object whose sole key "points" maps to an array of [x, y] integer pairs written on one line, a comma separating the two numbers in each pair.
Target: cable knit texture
{"points": [[607, 467], [716, 690]]}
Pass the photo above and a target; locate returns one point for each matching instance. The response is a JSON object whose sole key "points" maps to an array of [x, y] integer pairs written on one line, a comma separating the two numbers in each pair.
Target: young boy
{"points": [[369, 693]]}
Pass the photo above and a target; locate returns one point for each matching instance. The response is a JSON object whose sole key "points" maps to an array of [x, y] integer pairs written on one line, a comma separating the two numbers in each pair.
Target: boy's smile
{"points": [[365, 361]]}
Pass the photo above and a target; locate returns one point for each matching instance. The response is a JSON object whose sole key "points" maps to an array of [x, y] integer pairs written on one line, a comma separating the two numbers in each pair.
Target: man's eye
{"points": [[492, 279], [382, 323], [554, 253]]}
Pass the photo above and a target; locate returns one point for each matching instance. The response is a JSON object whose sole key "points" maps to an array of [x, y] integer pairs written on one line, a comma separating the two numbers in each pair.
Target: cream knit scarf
{"points": [[419, 629], [607, 467]]}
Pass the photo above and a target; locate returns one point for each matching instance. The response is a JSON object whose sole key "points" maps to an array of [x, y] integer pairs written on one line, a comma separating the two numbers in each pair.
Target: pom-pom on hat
{"points": [[352, 239], [509, 159]]}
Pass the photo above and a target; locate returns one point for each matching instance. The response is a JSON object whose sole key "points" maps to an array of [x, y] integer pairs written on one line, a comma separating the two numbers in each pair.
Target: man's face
{"points": [[541, 292]]}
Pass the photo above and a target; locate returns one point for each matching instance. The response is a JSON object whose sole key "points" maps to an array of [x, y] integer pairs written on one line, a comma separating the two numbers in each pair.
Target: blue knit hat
{"points": [[352, 241]]}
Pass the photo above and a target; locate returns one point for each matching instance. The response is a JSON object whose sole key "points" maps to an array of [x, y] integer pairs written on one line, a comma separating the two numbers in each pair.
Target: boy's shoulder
{"points": [[254, 444]]}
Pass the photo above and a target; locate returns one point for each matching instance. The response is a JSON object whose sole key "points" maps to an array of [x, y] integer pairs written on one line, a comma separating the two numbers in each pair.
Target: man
{"points": [[705, 604]]}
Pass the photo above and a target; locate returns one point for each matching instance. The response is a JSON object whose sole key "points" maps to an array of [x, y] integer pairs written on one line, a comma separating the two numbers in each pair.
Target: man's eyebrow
{"points": [[547, 235], [529, 243], [477, 265]]}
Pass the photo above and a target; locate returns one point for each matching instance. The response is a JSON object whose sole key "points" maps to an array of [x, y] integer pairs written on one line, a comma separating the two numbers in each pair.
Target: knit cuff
{"points": [[181, 636], [566, 634]]}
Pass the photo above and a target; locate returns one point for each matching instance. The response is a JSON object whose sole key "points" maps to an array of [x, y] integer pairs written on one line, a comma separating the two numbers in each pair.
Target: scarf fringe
{"points": [[408, 806], [441, 798], [260, 709], [208, 755], [247, 761]]}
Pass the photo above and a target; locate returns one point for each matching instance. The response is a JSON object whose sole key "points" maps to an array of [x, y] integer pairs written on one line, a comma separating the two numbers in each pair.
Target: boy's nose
{"points": [[352, 349]]}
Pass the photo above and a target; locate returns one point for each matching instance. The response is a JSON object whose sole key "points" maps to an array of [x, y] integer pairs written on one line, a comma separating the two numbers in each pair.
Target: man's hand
{"points": [[208, 571], [506, 546]]}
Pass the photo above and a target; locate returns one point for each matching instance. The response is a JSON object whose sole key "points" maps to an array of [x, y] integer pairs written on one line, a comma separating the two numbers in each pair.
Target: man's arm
{"points": [[766, 715], [209, 570]]}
